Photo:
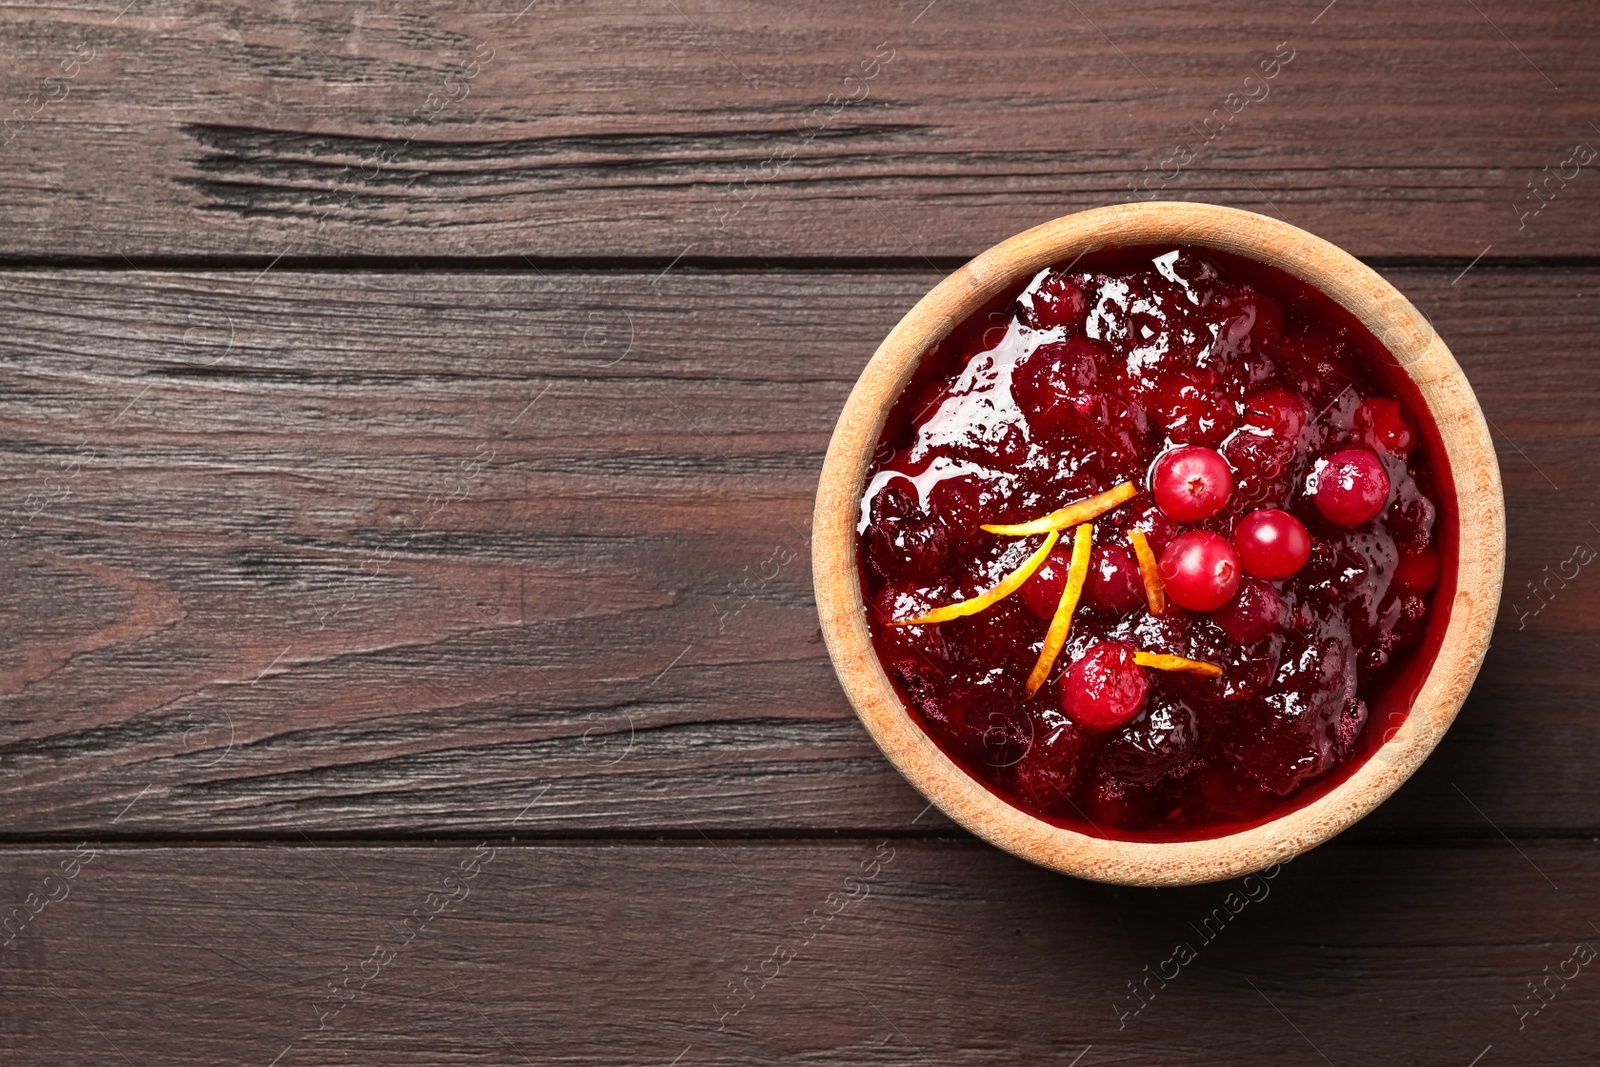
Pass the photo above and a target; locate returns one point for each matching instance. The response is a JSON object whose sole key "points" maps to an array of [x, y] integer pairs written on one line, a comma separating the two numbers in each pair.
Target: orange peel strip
{"points": [[1162, 662], [1072, 514], [1008, 585], [1061, 624], [1155, 594]]}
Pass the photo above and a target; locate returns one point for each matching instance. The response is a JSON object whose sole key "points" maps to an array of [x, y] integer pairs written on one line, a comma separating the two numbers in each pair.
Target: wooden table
{"points": [[411, 420]]}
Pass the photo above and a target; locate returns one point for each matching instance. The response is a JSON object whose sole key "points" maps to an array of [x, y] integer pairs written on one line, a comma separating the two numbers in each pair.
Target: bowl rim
{"points": [[1470, 459]]}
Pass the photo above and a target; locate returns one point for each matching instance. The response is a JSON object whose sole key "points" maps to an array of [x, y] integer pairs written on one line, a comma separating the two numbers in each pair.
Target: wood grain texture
{"points": [[622, 128], [465, 519], [949, 952], [341, 577]]}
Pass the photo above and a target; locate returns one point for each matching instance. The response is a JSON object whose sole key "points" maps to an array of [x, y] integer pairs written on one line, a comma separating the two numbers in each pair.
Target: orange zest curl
{"points": [[1072, 514], [1162, 662], [1007, 585], [1061, 624], [1155, 594]]}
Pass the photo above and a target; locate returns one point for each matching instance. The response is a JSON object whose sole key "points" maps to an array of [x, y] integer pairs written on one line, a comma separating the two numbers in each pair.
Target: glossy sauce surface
{"points": [[1080, 380]]}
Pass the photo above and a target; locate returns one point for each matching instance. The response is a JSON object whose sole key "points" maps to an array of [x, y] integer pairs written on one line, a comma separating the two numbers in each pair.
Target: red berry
{"points": [[1199, 570], [1114, 585], [1052, 300], [1255, 612], [1104, 688], [903, 542], [1046, 772], [1054, 385], [1384, 426], [1192, 408], [962, 503], [1278, 411], [1271, 543], [1350, 486], [1418, 573], [1266, 449], [1191, 483], [1042, 592]]}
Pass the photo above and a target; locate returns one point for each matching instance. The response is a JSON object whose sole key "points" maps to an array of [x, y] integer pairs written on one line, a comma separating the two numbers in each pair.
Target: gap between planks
{"points": [[655, 265], [678, 836]]}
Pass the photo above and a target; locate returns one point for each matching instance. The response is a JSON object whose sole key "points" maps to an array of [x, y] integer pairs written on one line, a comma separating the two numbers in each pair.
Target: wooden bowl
{"points": [[1469, 458]]}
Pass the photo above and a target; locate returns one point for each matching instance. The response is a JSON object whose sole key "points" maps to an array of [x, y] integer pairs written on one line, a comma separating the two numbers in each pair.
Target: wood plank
{"points": [[418, 549], [621, 128], [604, 954]]}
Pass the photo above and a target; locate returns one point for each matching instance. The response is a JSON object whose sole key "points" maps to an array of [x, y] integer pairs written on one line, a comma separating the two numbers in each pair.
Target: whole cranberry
{"points": [[1383, 426], [1255, 612], [1278, 411], [1271, 543], [1042, 592], [1192, 409], [1104, 688], [1053, 384], [1191, 483], [1351, 486], [1114, 585], [1418, 573], [1052, 300], [1200, 570]]}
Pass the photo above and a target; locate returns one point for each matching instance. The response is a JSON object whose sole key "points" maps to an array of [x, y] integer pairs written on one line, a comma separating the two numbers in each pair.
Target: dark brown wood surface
{"points": [[629, 129], [374, 487], [862, 951], [417, 547]]}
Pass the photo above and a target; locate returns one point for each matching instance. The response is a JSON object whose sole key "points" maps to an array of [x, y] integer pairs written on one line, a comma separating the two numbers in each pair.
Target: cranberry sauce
{"points": [[1289, 484]]}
